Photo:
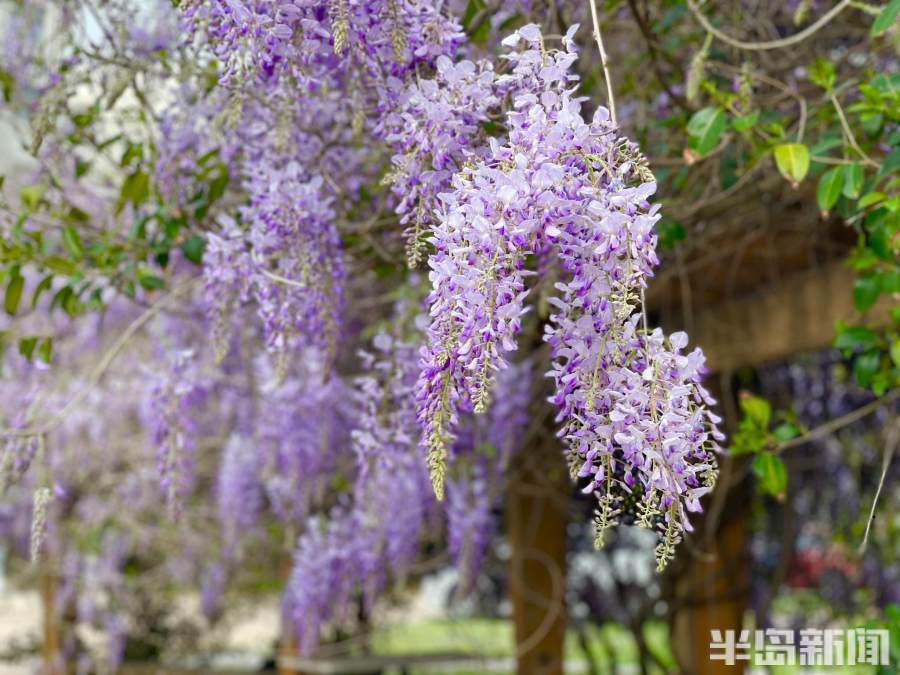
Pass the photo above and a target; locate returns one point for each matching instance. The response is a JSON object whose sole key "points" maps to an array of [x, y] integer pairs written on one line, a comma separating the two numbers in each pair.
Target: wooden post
{"points": [[537, 500], [287, 645], [716, 590], [51, 657]]}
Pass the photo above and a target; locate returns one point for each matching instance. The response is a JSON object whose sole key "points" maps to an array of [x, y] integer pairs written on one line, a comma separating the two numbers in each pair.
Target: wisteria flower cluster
{"points": [[315, 41], [238, 490], [380, 529], [560, 183], [289, 263], [434, 127], [176, 392], [302, 432]]}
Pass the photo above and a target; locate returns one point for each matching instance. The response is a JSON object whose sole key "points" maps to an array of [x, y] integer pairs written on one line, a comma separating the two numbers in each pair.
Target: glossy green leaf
{"points": [[870, 199], [866, 366], [856, 337], [31, 196], [745, 122], [151, 282], [45, 350], [758, 410], [26, 346], [786, 431], [890, 165], [705, 129], [193, 248], [886, 18], [772, 474], [60, 265], [865, 291], [72, 241], [792, 160], [44, 284], [822, 73], [135, 189], [890, 281], [473, 8], [853, 180], [13, 293], [829, 190]]}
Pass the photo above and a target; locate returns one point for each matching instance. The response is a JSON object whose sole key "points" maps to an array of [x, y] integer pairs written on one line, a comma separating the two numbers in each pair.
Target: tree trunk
{"points": [[537, 501]]}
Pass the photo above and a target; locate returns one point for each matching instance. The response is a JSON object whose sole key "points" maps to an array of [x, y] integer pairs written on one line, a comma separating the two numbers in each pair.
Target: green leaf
{"points": [[828, 142], [705, 128], [890, 165], [853, 180], [670, 233], [871, 122], [13, 293], [6, 85], [151, 282], [482, 33], [856, 337], [822, 74], [473, 7], [758, 410], [60, 265], [865, 366], [887, 17], [745, 122], [772, 474], [830, 185], [26, 346], [786, 431], [72, 241], [890, 281], [792, 160], [135, 189], [45, 284], [193, 248], [134, 152], [31, 196], [880, 382], [871, 198], [895, 352], [865, 291], [45, 349]]}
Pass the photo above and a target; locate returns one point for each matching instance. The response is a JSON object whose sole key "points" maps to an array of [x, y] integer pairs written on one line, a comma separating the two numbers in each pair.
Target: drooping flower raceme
{"points": [[632, 409], [288, 261], [434, 127], [174, 393], [295, 245], [303, 434], [380, 528], [238, 490]]}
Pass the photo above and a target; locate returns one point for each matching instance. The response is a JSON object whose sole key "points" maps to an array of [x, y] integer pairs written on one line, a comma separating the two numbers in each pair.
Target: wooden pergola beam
{"points": [[793, 316]]}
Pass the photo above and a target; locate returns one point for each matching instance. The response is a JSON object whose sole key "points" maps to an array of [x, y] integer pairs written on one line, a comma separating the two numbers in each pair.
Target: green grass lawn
{"points": [[493, 638]]}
